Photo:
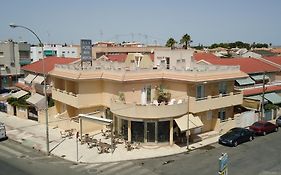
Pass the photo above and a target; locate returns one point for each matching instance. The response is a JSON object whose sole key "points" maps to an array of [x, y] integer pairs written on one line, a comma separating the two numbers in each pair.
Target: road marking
{"points": [[105, 166], [9, 150], [117, 168], [4, 154]]}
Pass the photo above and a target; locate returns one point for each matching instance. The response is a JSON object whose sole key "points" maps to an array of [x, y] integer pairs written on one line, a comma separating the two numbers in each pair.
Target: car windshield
{"points": [[257, 124], [234, 130]]}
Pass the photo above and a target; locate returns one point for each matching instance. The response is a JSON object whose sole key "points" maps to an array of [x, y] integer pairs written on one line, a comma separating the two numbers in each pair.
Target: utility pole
{"points": [[263, 92]]}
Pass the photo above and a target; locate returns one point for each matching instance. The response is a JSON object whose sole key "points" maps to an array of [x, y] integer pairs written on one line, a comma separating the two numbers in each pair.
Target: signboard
{"points": [[223, 161], [86, 50]]}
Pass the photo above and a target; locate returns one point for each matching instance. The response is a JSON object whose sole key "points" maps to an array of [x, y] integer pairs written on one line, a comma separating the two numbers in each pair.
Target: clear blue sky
{"points": [[150, 21]]}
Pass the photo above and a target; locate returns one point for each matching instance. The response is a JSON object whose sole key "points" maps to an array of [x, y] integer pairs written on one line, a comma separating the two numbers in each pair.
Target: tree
{"points": [[186, 40], [171, 42]]}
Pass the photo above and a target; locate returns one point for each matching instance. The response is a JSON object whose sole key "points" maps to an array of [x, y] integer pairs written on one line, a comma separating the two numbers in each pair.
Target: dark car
{"points": [[278, 121], [236, 136], [263, 127]]}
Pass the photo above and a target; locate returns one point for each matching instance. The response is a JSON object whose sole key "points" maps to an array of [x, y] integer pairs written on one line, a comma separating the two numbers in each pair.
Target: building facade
{"points": [[13, 55], [149, 105], [53, 50]]}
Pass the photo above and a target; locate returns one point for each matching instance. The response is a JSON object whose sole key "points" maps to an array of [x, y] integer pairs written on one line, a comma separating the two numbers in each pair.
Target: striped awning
{"points": [[39, 79], [245, 81], [29, 78], [19, 94], [37, 100], [193, 122]]}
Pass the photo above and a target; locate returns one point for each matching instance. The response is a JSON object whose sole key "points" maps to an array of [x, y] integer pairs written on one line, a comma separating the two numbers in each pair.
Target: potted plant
{"points": [[162, 94]]}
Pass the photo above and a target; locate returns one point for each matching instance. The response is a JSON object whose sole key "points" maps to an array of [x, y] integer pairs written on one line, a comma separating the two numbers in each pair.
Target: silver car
{"points": [[278, 121], [2, 131]]}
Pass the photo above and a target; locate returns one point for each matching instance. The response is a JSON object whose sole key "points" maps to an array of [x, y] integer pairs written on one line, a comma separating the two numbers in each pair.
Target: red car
{"points": [[263, 127]]}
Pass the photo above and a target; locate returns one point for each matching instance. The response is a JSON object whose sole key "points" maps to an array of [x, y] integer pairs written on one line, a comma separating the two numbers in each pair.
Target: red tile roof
{"points": [[118, 58], [204, 56], [274, 59], [255, 91], [49, 62], [247, 65]]}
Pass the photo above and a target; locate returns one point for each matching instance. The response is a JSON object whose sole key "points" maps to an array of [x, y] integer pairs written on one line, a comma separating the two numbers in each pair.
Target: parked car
{"points": [[263, 127], [236, 136], [278, 121], [2, 131]]}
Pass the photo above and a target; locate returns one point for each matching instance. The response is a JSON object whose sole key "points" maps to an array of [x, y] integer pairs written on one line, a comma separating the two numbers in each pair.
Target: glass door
{"points": [[150, 132]]}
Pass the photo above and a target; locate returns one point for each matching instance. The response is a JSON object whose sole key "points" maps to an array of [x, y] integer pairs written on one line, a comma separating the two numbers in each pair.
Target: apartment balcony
{"points": [[76, 100], [149, 111], [215, 102]]}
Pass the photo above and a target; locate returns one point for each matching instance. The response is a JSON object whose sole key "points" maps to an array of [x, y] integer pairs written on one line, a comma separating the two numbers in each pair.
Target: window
{"points": [[1, 54], [222, 114], [222, 88], [200, 92], [209, 115]]}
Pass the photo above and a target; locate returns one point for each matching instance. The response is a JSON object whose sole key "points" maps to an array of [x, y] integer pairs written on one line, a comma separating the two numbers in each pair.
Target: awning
{"points": [[37, 100], [257, 98], [19, 94], [259, 77], [252, 104], [95, 119], [29, 78], [273, 98], [245, 81], [39, 79], [194, 122]]}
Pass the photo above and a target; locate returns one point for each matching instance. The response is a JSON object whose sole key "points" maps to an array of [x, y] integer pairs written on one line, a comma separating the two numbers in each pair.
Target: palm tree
{"points": [[186, 40], [171, 42]]}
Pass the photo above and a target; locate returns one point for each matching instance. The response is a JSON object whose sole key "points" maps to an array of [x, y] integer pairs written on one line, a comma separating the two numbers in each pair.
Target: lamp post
{"points": [[45, 93]]}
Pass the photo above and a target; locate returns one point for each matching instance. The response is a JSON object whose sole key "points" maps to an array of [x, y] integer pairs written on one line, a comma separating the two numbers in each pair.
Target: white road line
{"points": [[9, 150], [105, 166], [118, 167], [18, 147], [4, 154]]}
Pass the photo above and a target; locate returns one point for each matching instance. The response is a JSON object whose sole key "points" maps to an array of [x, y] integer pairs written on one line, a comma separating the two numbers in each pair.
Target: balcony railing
{"points": [[215, 102], [149, 111]]}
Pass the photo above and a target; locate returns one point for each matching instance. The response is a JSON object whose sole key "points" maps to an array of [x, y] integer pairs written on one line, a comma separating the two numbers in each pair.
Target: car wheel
{"points": [[235, 143], [276, 129], [264, 133], [251, 138]]}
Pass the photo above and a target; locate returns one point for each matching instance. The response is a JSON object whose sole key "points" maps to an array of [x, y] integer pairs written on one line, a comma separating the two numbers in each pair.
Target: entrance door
{"points": [[150, 132], [146, 95], [143, 96]]}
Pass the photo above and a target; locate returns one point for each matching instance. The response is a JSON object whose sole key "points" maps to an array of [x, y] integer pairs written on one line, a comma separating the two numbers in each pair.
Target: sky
{"points": [[147, 21]]}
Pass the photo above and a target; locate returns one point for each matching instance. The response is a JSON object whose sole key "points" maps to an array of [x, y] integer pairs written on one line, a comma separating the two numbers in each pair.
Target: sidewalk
{"points": [[33, 134]]}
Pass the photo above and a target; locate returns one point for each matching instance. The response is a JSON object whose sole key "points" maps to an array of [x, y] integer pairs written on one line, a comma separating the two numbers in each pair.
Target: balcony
{"points": [[150, 111], [215, 102], [76, 100]]}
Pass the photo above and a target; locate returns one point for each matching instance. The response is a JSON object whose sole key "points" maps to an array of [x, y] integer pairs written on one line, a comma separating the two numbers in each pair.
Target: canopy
{"points": [[29, 78], [273, 98], [37, 100], [19, 94], [39, 79], [194, 122], [245, 81], [259, 77], [95, 119], [257, 98]]}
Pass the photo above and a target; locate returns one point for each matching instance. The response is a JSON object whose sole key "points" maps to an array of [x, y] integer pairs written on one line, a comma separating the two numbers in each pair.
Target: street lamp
{"points": [[45, 93]]}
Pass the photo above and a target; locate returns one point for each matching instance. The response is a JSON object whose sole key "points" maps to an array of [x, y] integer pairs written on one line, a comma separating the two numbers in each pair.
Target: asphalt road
{"points": [[262, 156]]}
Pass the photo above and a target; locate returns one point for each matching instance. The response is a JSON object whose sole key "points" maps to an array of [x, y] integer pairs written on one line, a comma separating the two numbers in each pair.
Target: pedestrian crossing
{"points": [[116, 168]]}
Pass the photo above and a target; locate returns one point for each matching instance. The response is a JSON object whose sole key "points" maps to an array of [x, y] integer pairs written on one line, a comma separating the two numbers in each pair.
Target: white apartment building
{"points": [[53, 50]]}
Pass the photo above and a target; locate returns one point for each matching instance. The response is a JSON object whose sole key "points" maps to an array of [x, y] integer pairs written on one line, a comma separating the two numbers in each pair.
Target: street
{"points": [[262, 156]]}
